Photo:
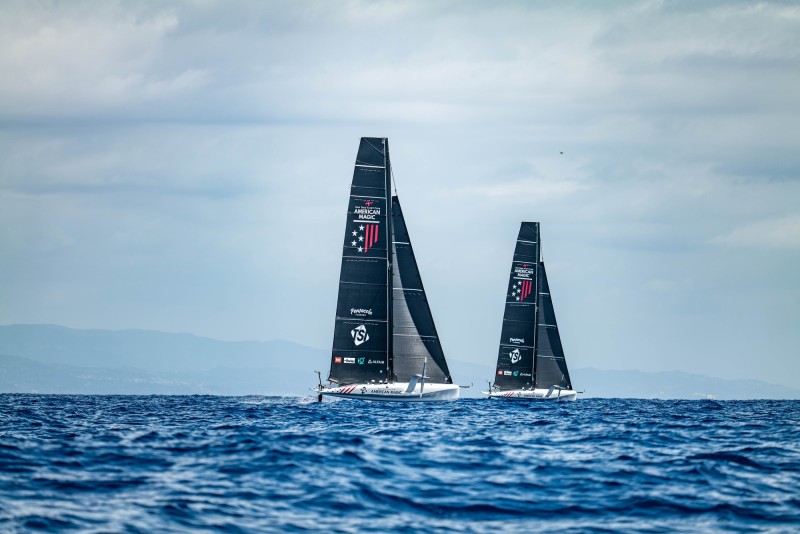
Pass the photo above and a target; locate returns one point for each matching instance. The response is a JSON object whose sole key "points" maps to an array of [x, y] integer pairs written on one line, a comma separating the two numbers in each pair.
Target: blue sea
{"points": [[268, 464]]}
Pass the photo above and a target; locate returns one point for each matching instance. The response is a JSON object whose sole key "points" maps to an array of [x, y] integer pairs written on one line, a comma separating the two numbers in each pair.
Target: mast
{"points": [[536, 307], [387, 172]]}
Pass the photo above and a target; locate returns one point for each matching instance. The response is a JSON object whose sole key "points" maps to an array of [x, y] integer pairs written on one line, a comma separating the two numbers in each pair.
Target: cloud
{"points": [[779, 233], [525, 190], [67, 58], [180, 155]]}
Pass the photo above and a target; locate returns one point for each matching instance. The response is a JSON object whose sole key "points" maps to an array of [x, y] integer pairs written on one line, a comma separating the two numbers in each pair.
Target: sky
{"points": [[185, 167]]}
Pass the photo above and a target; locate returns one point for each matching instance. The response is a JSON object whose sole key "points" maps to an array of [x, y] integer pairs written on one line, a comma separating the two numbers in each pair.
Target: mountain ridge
{"points": [[59, 359]]}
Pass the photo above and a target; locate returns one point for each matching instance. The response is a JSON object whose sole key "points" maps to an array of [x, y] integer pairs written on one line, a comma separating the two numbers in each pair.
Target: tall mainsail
{"points": [[362, 340], [515, 360], [551, 366], [414, 334]]}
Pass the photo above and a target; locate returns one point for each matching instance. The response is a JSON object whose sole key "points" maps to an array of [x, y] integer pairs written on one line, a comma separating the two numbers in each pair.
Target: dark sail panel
{"points": [[363, 335], [361, 338], [366, 228], [363, 301], [369, 183], [353, 366], [514, 366], [372, 151], [551, 366], [415, 338], [515, 360]]}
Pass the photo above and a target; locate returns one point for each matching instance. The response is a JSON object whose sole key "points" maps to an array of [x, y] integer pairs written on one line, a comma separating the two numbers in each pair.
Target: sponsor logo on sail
{"points": [[359, 334], [516, 340], [524, 271], [337, 359], [349, 360], [364, 236], [499, 372], [377, 362], [516, 373], [361, 312], [507, 373], [366, 212], [521, 289], [515, 356], [361, 361]]}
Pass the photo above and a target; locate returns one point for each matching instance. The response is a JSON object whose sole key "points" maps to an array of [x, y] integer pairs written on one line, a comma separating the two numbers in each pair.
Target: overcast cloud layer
{"points": [[185, 166]]}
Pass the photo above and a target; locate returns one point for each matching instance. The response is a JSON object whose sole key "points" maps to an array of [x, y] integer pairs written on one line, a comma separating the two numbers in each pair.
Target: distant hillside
{"points": [[149, 350], [55, 359], [23, 375], [673, 385]]}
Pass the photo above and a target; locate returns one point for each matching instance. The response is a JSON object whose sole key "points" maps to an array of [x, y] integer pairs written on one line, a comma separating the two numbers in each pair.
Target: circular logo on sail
{"points": [[515, 356], [359, 334]]}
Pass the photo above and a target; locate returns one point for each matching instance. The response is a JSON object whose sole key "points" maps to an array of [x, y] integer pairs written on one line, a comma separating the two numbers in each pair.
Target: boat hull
{"points": [[533, 394], [397, 392]]}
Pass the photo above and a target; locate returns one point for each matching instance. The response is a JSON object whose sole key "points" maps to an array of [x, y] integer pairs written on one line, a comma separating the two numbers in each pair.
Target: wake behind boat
{"points": [[530, 363], [385, 344]]}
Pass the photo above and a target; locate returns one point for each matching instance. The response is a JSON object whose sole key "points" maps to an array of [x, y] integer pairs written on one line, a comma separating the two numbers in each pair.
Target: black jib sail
{"points": [[414, 333], [362, 335], [518, 335], [551, 366], [530, 354]]}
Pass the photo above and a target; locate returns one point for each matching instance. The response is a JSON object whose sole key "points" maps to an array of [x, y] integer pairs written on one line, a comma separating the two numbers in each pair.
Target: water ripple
{"points": [[243, 464]]}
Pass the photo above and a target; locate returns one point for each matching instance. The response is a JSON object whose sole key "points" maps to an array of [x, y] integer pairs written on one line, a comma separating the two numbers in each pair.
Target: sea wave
{"points": [[164, 463]]}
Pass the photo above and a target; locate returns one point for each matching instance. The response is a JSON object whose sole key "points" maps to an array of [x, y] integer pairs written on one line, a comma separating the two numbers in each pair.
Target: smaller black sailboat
{"points": [[530, 362]]}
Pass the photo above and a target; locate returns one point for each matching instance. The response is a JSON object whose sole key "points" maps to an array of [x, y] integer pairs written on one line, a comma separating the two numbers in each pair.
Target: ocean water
{"points": [[266, 464]]}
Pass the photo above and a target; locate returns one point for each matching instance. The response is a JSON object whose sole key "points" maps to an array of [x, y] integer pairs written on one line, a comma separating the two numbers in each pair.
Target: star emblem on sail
{"points": [[521, 289], [364, 237]]}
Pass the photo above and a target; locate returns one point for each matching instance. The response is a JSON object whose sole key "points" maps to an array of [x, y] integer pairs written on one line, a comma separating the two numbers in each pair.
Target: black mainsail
{"points": [[530, 353], [384, 329], [362, 333], [515, 360]]}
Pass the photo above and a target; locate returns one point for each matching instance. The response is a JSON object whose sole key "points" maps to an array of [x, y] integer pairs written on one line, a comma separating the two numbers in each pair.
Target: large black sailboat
{"points": [[530, 362], [385, 344]]}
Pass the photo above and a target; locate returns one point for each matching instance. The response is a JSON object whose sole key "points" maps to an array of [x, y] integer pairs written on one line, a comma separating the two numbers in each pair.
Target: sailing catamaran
{"points": [[385, 345], [530, 363]]}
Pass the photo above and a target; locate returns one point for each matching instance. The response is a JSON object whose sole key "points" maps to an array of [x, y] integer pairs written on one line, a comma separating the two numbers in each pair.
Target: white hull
{"points": [[533, 394], [397, 392]]}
